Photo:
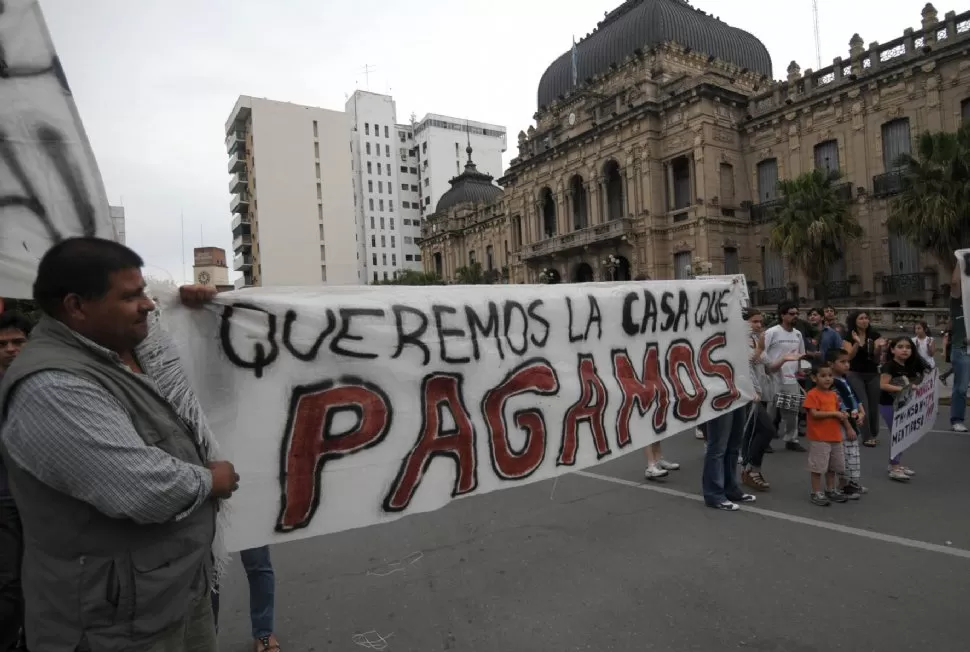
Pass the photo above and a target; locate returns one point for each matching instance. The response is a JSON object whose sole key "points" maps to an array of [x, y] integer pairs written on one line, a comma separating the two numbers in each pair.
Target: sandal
{"points": [[267, 644], [755, 480], [870, 443]]}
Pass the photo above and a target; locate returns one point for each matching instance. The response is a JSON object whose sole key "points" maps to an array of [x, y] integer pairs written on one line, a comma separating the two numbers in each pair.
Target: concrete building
{"points": [[402, 170], [209, 268], [659, 143], [292, 195], [117, 214]]}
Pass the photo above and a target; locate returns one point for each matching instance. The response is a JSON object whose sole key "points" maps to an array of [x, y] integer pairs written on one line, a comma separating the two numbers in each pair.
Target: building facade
{"points": [[659, 142], [401, 170], [117, 214], [292, 195], [209, 268]]}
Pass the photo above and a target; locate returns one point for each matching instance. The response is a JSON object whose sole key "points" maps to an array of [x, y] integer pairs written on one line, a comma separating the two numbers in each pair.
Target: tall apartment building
{"points": [[292, 195], [117, 214], [400, 172]]}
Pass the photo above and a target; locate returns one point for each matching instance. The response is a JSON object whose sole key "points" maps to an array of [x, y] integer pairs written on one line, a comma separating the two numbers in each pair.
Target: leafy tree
{"points": [[933, 207], [814, 224], [411, 277], [470, 275]]}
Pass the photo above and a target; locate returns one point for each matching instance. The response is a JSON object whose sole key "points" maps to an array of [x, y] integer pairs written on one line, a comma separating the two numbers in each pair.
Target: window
{"points": [[374, 258], [727, 185], [384, 259], [404, 169], [393, 241], [373, 240], [408, 240], [321, 231], [414, 188], [427, 201], [367, 129], [378, 169], [393, 259], [896, 141], [319, 191], [317, 164], [385, 276], [323, 253], [388, 169], [387, 151], [772, 268], [316, 150], [370, 186], [424, 148], [767, 180], [457, 168], [682, 265], [392, 223], [456, 150], [315, 134], [320, 216], [323, 273], [413, 170], [380, 186], [401, 135], [827, 156], [371, 203], [368, 148], [382, 224], [386, 134], [965, 111], [382, 204], [404, 186], [372, 221], [383, 242], [731, 263], [489, 258], [471, 257], [427, 181], [406, 221], [406, 204], [377, 130], [408, 257], [390, 203], [417, 258], [369, 170], [375, 275]]}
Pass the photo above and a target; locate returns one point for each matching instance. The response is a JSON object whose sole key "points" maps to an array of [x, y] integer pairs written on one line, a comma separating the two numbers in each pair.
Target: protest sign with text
{"points": [[50, 186], [914, 413], [350, 406]]}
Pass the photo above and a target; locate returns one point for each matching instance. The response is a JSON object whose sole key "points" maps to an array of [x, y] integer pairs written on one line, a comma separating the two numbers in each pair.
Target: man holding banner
{"points": [[109, 462]]}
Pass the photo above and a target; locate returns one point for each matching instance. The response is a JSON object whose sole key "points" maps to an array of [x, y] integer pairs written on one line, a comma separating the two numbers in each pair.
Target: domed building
{"points": [[660, 139]]}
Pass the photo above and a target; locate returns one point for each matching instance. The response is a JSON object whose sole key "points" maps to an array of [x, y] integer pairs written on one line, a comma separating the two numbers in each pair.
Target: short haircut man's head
{"points": [[11, 320], [82, 267]]}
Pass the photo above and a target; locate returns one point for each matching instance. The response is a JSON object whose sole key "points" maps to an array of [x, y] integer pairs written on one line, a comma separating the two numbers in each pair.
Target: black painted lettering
{"points": [[412, 337], [537, 317], [444, 333], [489, 329], [347, 315]]}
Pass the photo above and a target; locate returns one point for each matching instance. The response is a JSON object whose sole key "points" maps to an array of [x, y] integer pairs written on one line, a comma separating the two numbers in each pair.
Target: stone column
{"points": [[669, 181]]}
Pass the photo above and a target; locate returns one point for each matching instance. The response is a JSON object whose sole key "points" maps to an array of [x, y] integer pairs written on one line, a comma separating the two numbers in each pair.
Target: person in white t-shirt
{"points": [[784, 348], [925, 345]]}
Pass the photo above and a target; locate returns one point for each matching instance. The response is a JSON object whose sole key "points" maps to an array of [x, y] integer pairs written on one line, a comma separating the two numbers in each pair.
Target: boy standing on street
{"points": [[851, 481], [824, 432]]}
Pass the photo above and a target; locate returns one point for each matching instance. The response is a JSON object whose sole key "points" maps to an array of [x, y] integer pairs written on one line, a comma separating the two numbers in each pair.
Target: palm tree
{"points": [[933, 207], [470, 275], [814, 224]]}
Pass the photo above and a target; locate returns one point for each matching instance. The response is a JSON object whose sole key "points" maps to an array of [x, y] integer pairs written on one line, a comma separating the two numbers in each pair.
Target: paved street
{"points": [[600, 561]]}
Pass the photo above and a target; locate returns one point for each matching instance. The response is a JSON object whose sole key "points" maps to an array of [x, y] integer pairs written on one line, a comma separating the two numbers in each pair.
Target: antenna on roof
{"points": [[818, 40]]}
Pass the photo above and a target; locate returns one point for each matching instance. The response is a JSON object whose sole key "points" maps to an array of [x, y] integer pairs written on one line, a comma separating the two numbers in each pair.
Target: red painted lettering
{"points": [[718, 369], [641, 391], [687, 403], [590, 409]]}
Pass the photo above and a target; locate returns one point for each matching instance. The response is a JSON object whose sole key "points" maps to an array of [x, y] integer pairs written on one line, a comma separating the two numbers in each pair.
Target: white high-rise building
{"points": [[117, 214], [401, 170], [292, 195]]}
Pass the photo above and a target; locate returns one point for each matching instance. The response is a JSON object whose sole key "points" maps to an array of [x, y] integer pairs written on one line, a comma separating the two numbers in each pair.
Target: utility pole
{"points": [[367, 70]]}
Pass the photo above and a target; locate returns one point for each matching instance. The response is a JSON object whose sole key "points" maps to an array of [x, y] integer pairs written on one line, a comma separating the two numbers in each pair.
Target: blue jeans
{"points": [[961, 378], [720, 478], [262, 591]]}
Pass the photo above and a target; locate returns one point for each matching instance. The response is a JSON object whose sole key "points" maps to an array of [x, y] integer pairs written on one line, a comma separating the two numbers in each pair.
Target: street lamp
{"points": [[612, 263]]}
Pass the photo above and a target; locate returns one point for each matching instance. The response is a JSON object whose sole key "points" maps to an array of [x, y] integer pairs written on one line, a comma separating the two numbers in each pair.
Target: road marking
{"points": [[948, 432], [791, 518]]}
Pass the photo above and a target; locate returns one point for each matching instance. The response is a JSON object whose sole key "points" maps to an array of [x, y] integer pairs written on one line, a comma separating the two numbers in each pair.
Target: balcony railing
{"points": [[234, 140], [887, 184], [834, 290], [582, 238], [242, 262], [238, 182], [766, 210], [239, 203], [242, 243], [240, 224], [771, 296], [237, 160], [907, 283]]}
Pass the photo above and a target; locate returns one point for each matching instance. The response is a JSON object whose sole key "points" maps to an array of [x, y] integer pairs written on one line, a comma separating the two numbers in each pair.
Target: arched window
{"points": [[580, 203], [548, 214], [614, 191]]}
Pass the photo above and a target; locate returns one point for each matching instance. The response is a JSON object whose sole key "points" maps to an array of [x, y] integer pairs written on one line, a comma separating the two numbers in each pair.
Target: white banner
{"points": [[914, 413], [50, 187], [740, 279], [349, 406]]}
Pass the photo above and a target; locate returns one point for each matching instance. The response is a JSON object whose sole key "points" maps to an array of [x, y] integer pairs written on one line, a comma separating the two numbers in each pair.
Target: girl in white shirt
{"points": [[925, 345]]}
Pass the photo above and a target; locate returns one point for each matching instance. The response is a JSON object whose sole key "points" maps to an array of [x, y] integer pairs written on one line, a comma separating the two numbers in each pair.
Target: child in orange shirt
{"points": [[824, 432]]}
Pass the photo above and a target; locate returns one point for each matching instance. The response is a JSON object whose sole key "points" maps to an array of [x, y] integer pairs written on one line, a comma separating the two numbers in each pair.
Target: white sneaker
{"points": [[698, 433], [898, 475], [959, 427], [654, 472], [668, 466]]}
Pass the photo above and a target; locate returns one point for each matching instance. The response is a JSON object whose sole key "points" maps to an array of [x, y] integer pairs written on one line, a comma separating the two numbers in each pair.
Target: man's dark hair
{"points": [[11, 319], [833, 355], [81, 266], [785, 306]]}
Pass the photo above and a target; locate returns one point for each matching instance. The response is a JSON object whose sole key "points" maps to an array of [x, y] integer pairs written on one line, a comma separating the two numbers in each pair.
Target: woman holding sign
{"points": [[904, 369]]}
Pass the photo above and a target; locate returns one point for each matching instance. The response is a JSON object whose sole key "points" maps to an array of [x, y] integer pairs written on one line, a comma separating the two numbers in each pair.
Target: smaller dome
{"points": [[469, 187]]}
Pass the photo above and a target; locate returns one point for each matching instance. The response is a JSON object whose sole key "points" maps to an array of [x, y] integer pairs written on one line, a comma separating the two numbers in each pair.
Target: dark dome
{"points": [[643, 24], [469, 187]]}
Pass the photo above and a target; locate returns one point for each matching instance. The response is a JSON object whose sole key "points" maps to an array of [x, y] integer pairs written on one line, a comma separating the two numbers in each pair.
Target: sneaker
{"points": [[959, 427], [851, 492], [654, 472], [755, 480], [668, 466], [898, 475], [858, 488], [726, 506], [837, 496], [795, 446], [908, 471], [744, 498], [698, 433], [819, 498]]}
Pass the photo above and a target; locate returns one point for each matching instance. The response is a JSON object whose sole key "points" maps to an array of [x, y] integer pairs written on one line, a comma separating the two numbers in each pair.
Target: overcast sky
{"points": [[154, 81]]}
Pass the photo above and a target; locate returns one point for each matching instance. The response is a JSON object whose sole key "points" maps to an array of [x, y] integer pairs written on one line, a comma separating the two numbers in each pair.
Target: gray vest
{"points": [[111, 583]]}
